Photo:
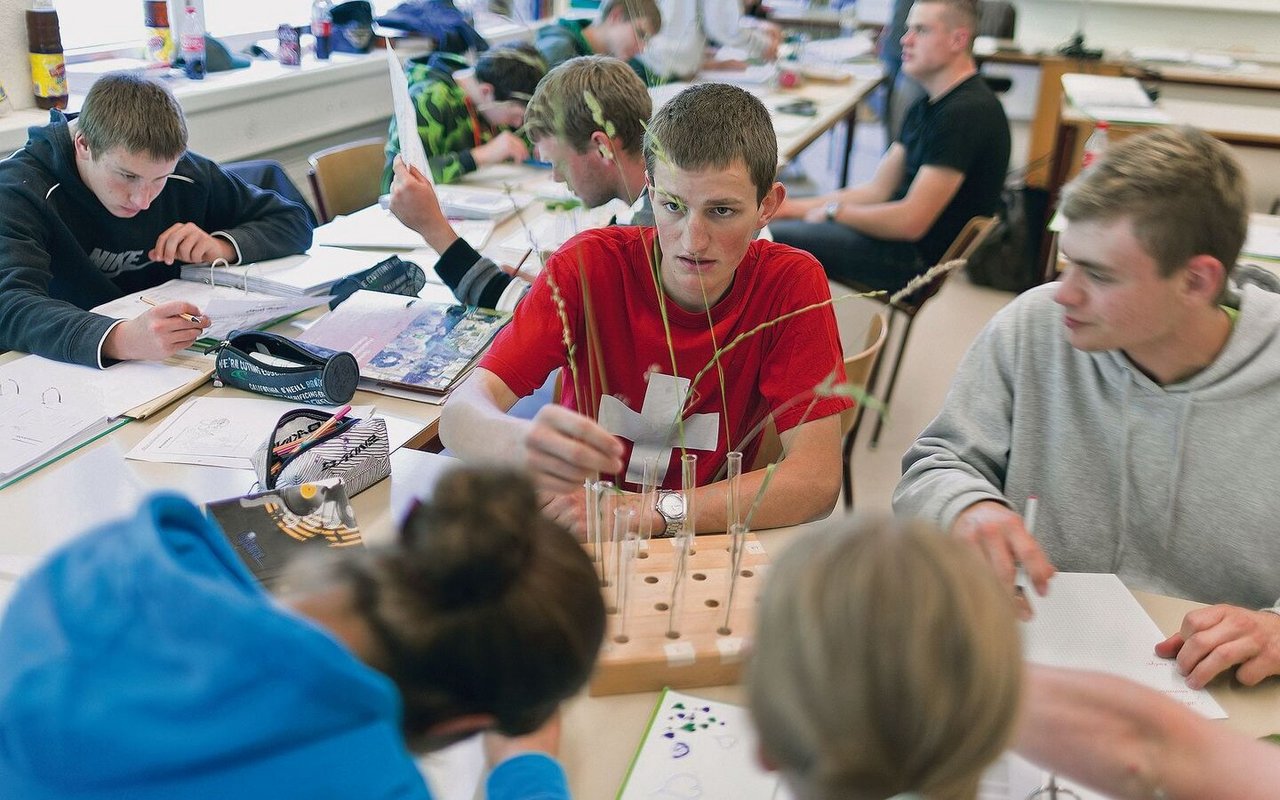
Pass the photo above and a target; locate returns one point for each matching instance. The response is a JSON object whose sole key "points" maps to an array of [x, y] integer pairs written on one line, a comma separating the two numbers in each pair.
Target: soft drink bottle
{"points": [[1096, 144], [193, 44], [322, 27]]}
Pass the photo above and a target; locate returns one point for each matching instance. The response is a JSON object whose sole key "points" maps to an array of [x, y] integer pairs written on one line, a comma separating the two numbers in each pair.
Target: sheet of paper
{"points": [[549, 231], [411, 149], [1092, 622], [377, 227], [1014, 778], [32, 429], [228, 308], [697, 748], [1263, 240], [217, 431], [113, 390], [1105, 90]]}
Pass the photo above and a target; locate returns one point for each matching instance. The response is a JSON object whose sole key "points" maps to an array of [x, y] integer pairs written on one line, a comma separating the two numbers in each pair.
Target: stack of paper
{"points": [[471, 202], [1263, 241], [313, 273], [377, 228], [1112, 99]]}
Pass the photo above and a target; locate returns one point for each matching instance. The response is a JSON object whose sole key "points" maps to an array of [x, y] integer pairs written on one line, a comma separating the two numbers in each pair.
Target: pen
{"points": [[324, 428], [1020, 579], [194, 320]]}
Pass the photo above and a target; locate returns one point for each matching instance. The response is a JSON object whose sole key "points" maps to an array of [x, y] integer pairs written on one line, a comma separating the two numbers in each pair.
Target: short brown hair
{"points": [[1182, 190], [963, 13], [560, 107], [483, 606], [713, 125], [634, 9], [886, 661], [136, 114]]}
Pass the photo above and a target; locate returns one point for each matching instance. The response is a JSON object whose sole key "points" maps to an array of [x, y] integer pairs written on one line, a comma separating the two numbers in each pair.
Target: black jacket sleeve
{"points": [[260, 224]]}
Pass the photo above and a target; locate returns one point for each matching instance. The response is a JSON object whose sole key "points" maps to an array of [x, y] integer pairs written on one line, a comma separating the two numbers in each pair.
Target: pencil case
{"points": [[357, 451], [392, 276], [277, 366]]}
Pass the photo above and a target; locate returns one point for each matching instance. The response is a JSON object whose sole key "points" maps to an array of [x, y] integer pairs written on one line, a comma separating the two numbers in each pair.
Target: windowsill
{"points": [[241, 113]]}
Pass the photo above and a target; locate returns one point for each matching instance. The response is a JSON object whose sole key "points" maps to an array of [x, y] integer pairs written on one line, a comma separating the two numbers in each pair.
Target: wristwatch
{"points": [[670, 506], [832, 209]]}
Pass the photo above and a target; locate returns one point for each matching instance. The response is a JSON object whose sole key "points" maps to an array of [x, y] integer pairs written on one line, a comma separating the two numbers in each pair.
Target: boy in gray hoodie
{"points": [[1138, 399]]}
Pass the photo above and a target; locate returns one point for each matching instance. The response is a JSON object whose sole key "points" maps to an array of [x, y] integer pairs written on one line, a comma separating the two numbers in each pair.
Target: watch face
{"points": [[671, 505]]}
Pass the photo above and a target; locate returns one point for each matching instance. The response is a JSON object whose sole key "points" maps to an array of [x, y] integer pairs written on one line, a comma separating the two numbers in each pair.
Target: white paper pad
{"points": [[218, 431], [1263, 240], [377, 227], [110, 392], [697, 748], [411, 149], [1092, 622]]}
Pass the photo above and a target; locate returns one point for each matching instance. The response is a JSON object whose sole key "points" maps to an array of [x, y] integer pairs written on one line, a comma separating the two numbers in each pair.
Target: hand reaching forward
{"points": [[1000, 536], [506, 146], [562, 448], [1214, 639], [187, 241]]}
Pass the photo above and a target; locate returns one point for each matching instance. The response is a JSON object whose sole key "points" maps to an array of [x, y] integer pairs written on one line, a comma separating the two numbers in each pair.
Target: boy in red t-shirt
{"points": [[641, 337]]}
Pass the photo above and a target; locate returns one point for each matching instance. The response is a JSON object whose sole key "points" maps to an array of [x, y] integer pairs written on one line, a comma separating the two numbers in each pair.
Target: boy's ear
{"points": [[770, 204], [1203, 278], [602, 144], [486, 92], [83, 152]]}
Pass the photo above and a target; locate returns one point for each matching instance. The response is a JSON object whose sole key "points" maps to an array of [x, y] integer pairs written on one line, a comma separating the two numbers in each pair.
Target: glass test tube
{"points": [[733, 508], [606, 500], [623, 523], [680, 569], [649, 489], [689, 475], [737, 545], [630, 549]]}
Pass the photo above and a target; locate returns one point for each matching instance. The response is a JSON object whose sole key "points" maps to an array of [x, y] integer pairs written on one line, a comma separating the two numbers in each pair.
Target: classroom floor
{"points": [[939, 339]]}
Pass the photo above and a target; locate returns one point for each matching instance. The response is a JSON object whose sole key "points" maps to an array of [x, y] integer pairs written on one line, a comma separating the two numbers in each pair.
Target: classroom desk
{"points": [[835, 102], [1240, 124], [600, 734]]}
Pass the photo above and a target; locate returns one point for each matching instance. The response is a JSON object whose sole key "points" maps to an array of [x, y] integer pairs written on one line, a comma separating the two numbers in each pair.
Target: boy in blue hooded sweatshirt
{"points": [[144, 661]]}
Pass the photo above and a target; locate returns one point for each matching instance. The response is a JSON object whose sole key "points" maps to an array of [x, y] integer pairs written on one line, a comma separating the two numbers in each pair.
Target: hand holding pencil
{"points": [[157, 333]]}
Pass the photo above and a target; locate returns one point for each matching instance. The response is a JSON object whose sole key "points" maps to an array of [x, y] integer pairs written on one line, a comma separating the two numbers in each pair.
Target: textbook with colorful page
{"points": [[407, 346], [268, 529]]}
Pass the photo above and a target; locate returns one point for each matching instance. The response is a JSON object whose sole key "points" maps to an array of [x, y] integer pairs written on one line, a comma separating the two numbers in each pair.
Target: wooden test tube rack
{"points": [[701, 654]]}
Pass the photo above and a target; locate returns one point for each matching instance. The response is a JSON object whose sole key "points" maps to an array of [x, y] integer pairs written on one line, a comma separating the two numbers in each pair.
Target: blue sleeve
{"points": [[530, 776]]}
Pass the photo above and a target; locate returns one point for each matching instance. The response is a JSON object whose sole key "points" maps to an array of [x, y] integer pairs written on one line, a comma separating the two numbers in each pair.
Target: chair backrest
{"points": [[346, 177], [970, 238], [997, 18], [857, 369], [859, 366]]}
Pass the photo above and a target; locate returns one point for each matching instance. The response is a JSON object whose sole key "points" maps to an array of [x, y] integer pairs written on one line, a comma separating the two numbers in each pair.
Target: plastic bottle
{"points": [[192, 38], [155, 14], [1096, 144], [322, 27], [44, 46]]}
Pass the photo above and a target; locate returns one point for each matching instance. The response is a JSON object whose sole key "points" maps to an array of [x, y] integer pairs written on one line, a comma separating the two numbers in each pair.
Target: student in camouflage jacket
{"points": [[466, 115]]}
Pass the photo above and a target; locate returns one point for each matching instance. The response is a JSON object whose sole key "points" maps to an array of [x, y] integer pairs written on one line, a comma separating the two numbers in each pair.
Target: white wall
{"points": [[1120, 24]]}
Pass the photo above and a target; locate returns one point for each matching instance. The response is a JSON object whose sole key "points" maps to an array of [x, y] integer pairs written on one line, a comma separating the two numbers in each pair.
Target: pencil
{"points": [[194, 320], [1021, 579]]}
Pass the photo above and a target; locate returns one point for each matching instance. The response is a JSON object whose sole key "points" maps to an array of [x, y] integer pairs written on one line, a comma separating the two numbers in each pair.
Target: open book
{"points": [[407, 343]]}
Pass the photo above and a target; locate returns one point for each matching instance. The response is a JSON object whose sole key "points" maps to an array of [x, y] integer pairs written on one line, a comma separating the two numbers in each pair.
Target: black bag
{"points": [[277, 366], [352, 27], [1009, 259]]}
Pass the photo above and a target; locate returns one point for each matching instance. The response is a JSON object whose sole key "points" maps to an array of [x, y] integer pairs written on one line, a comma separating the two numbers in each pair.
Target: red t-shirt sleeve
{"points": [[532, 345]]}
